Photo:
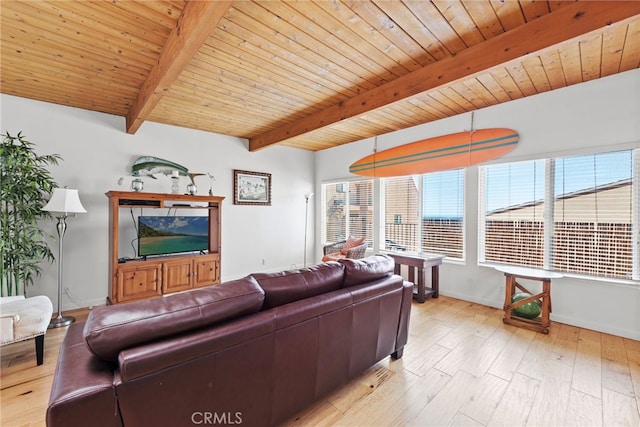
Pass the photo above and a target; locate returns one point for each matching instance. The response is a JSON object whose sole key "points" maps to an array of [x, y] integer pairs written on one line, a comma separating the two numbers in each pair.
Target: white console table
{"points": [[542, 323]]}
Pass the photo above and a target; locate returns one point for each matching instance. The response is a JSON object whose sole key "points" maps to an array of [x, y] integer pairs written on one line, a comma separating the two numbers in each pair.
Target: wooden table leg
{"points": [[435, 280], [546, 305], [396, 268], [421, 285], [509, 288]]}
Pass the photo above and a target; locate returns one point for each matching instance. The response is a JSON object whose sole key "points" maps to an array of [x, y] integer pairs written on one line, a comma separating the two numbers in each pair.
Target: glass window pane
{"points": [[361, 210], [443, 213], [402, 216], [335, 213], [593, 215], [513, 213], [348, 211], [589, 227]]}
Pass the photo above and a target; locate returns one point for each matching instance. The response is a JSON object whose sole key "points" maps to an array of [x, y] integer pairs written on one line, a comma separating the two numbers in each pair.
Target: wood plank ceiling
{"points": [[307, 74]]}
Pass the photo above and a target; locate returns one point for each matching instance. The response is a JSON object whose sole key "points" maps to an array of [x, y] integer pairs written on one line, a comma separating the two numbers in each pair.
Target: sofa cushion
{"points": [[284, 287], [363, 270], [110, 329]]}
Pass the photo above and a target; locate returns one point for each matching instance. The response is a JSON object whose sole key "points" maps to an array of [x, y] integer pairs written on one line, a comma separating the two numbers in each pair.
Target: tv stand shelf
{"points": [[154, 276]]}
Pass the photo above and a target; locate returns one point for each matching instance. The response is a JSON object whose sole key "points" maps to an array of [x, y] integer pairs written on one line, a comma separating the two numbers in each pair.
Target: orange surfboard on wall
{"points": [[456, 150]]}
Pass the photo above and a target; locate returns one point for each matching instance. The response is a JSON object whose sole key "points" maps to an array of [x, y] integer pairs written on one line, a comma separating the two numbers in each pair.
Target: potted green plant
{"points": [[25, 187]]}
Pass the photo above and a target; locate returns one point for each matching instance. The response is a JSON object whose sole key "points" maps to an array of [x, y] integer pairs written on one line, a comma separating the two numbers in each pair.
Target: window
{"points": [[335, 213], [348, 211], [593, 215], [442, 213], [513, 203], [401, 213], [575, 214], [431, 208]]}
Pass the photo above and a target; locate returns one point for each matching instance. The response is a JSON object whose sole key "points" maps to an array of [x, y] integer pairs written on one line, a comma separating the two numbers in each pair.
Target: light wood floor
{"points": [[462, 366]]}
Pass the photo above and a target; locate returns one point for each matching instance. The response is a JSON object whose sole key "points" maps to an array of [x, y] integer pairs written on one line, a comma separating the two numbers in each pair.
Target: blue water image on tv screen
{"points": [[159, 235]]}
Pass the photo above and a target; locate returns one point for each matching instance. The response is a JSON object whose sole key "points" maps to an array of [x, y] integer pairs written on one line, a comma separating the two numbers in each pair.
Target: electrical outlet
{"points": [[264, 262]]}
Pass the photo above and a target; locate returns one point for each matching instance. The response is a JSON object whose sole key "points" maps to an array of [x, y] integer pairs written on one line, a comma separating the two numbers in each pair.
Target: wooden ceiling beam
{"points": [[196, 22], [561, 25]]}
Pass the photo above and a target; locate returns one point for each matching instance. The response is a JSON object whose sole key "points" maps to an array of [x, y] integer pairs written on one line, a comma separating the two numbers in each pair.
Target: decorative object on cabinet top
{"points": [[151, 166]]}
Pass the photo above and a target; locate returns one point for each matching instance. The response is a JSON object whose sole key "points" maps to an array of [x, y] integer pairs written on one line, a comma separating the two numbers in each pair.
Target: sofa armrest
{"points": [[84, 388], [111, 329], [405, 316]]}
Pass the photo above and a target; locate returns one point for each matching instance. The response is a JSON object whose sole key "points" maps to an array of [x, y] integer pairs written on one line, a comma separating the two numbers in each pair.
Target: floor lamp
{"points": [[306, 214], [63, 202]]}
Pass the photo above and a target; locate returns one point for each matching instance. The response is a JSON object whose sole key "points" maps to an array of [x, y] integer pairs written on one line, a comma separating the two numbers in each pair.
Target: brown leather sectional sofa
{"points": [[253, 351]]}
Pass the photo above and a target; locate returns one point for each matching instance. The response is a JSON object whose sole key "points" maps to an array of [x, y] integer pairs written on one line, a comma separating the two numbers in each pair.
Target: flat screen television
{"points": [[161, 235]]}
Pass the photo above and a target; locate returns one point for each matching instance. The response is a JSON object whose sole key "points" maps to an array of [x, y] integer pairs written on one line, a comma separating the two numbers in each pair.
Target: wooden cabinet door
{"points": [[207, 270], [139, 280], [177, 275]]}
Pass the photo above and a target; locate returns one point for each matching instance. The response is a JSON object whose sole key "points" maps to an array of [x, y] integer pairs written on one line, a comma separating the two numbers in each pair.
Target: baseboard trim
{"points": [[581, 323]]}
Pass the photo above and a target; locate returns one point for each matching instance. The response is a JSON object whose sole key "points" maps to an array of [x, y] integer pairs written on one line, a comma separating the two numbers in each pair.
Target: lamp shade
{"points": [[64, 200]]}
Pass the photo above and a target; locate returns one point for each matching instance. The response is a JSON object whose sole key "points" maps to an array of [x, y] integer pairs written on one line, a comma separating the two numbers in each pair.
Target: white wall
{"points": [[597, 115], [97, 152]]}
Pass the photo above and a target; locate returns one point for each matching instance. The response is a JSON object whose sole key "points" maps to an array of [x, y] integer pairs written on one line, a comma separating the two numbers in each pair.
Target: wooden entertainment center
{"points": [[143, 278]]}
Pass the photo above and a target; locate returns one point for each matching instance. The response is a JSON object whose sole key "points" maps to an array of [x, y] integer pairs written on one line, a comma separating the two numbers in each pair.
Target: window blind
{"points": [[511, 207], [361, 210], [443, 213], [335, 212], [348, 211], [401, 214], [575, 214], [593, 214]]}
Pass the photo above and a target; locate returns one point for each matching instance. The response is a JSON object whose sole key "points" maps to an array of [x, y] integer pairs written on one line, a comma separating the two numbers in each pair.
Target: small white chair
{"points": [[25, 318]]}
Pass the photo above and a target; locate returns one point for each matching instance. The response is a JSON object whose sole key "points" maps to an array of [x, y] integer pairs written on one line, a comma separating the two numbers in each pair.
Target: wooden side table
{"points": [[418, 266], [541, 323]]}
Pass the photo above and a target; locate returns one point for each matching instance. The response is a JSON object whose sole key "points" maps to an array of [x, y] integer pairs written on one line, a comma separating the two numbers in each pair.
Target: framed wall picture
{"points": [[251, 188]]}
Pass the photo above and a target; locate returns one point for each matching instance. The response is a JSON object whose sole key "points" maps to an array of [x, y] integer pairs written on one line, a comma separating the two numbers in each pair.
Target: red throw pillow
{"points": [[352, 242]]}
